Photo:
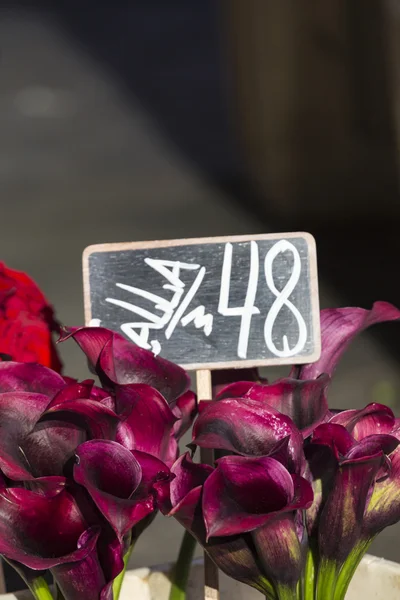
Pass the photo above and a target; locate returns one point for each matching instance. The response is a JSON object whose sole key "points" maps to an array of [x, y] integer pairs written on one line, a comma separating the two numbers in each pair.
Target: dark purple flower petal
{"points": [[40, 530], [235, 503], [238, 389], [247, 427], [188, 475], [303, 401], [341, 520], [279, 550], [50, 446], [321, 470], [19, 412], [83, 578], [235, 555], [47, 486], [112, 476], [374, 418], [90, 339], [383, 508], [185, 410], [29, 377], [148, 422], [119, 361], [339, 326], [336, 437], [233, 383], [73, 391], [372, 445], [153, 470], [98, 420]]}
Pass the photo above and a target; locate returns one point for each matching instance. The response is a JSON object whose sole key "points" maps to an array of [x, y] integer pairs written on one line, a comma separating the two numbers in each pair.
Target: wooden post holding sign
{"points": [[210, 303]]}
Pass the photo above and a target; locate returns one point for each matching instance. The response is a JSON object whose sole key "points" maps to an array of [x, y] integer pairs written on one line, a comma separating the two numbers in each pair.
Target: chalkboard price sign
{"points": [[210, 303]]}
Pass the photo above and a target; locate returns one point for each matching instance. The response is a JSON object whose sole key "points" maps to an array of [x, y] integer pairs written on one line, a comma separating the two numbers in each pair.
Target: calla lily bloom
{"points": [[137, 378], [90, 458], [247, 427], [339, 326], [303, 401], [356, 487], [247, 525], [119, 361]]}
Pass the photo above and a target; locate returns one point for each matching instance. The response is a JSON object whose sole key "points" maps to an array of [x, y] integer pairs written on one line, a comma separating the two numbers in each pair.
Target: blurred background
{"points": [[154, 119]]}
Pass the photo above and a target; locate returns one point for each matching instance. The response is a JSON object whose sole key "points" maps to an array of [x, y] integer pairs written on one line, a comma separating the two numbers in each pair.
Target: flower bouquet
{"points": [[295, 497]]}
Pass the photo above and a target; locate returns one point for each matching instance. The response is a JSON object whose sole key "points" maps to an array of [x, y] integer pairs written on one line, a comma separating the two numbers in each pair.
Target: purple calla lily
{"points": [[339, 326], [118, 361], [129, 372], [247, 427], [241, 521], [100, 504], [119, 482], [46, 530], [350, 481], [303, 401]]}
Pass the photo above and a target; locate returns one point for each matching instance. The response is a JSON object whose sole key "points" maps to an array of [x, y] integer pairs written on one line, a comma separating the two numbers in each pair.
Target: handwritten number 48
{"points": [[281, 298], [170, 312]]}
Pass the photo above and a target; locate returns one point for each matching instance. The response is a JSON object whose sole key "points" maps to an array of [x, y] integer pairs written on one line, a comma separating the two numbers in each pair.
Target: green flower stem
{"points": [[181, 570], [326, 582], [349, 568], [309, 576], [286, 592], [268, 589], [117, 583], [40, 589]]}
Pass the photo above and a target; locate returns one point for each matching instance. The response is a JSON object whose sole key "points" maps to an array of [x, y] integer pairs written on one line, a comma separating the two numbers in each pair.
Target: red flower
{"points": [[26, 321]]}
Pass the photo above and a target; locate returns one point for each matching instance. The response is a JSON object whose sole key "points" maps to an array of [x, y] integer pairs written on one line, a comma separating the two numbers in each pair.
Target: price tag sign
{"points": [[210, 303]]}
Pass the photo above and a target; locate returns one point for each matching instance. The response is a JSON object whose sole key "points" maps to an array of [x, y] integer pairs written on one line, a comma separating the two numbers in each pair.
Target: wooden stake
{"points": [[3, 589], [204, 392]]}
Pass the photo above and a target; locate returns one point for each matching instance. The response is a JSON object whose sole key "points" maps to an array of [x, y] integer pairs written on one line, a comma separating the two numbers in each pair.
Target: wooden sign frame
{"points": [[235, 364]]}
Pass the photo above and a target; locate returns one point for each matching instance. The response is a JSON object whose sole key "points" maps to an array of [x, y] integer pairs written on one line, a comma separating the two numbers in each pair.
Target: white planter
{"points": [[376, 579]]}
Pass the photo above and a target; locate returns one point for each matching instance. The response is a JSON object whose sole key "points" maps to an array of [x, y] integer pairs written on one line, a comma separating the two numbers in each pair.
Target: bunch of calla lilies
{"points": [[296, 494]]}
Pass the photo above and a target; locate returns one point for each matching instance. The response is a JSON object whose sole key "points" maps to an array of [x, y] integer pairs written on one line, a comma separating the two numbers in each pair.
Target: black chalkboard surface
{"points": [[210, 303]]}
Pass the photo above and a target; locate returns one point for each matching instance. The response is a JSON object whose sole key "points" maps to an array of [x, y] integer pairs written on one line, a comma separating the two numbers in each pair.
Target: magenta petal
{"points": [[50, 446], [279, 550], [148, 421], [40, 530], [374, 418], [341, 520], [383, 508], [246, 427], [339, 326], [112, 476], [239, 389], [119, 361], [90, 339], [29, 377], [83, 578], [125, 363], [185, 410], [335, 437], [303, 401], [73, 391], [188, 475], [225, 381], [371, 445], [98, 420], [234, 555], [235, 503], [19, 412], [153, 469]]}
